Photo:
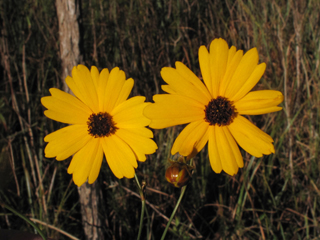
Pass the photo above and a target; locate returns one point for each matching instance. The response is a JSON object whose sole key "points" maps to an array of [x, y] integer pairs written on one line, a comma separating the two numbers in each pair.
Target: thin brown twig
{"points": [[54, 228]]}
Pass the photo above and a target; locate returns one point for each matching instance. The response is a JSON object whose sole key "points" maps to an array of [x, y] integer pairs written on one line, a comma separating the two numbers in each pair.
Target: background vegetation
{"points": [[274, 197]]}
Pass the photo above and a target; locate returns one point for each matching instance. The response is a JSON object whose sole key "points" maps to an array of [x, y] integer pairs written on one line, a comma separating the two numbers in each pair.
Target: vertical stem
{"points": [[174, 212], [143, 205]]}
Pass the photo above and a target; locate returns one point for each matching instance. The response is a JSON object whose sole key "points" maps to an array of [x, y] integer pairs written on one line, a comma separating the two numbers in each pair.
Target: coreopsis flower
{"points": [[102, 122], [213, 108]]}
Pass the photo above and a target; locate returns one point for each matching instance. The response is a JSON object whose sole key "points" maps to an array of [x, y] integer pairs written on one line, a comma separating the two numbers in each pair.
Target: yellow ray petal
{"points": [[132, 102], [101, 87], [218, 62], [227, 159], [66, 141], [182, 86], [130, 113], [107, 146], [204, 62], [259, 102], [75, 90], [96, 166], [141, 131], [119, 156], [233, 62], [64, 107], [125, 91], [250, 83], [84, 85], [193, 135], [68, 98], [114, 86], [245, 68], [169, 110], [231, 54], [168, 89], [71, 117], [64, 112], [234, 147], [82, 161], [95, 76], [187, 74], [125, 152], [251, 138], [139, 144], [214, 157], [253, 129], [228, 152]]}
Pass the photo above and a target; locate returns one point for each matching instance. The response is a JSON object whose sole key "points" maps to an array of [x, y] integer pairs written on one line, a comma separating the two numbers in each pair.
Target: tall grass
{"points": [[276, 196]]}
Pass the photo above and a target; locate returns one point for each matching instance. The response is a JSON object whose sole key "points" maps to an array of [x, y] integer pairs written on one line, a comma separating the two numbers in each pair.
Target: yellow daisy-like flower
{"points": [[102, 121], [213, 109]]}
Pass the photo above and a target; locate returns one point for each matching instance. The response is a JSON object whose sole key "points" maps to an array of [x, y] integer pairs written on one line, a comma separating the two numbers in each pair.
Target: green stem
{"points": [[174, 212], [143, 204], [26, 219], [148, 220]]}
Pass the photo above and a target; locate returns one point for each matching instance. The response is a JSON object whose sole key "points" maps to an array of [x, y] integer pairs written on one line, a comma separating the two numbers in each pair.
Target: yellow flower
{"points": [[213, 109], [102, 121]]}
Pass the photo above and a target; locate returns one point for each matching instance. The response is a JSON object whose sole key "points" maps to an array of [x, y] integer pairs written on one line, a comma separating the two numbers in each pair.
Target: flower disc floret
{"points": [[220, 111], [101, 125]]}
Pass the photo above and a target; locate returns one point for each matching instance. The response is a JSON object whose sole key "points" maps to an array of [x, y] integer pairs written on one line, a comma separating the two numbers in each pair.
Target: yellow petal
{"points": [[82, 161], [139, 144], [119, 156], [218, 62], [107, 146], [251, 138], [130, 113], [66, 141], [233, 147], [125, 91], [194, 135], [170, 110], [68, 98], [250, 83], [73, 87], [204, 62], [113, 89], [95, 76], [184, 84], [96, 166], [187, 74], [84, 87], [245, 68], [227, 159], [65, 108], [228, 151], [214, 157], [259, 102], [101, 87], [234, 59], [232, 52], [168, 89]]}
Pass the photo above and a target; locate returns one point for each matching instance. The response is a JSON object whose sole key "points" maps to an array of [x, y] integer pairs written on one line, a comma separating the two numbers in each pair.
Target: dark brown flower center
{"points": [[101, 125], [220, 111]]}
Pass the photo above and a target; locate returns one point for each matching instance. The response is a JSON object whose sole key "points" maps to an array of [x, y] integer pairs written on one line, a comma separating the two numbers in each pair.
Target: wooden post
{"points": [[68, 12]]}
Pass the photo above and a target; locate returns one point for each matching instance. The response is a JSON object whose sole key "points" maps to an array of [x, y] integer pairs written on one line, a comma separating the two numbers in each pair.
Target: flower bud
{"points": [[178, 173]]}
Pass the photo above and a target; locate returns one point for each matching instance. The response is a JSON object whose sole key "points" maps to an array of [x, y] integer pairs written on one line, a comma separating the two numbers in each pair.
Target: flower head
{"points": [[213, 108], [102, 122]]}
